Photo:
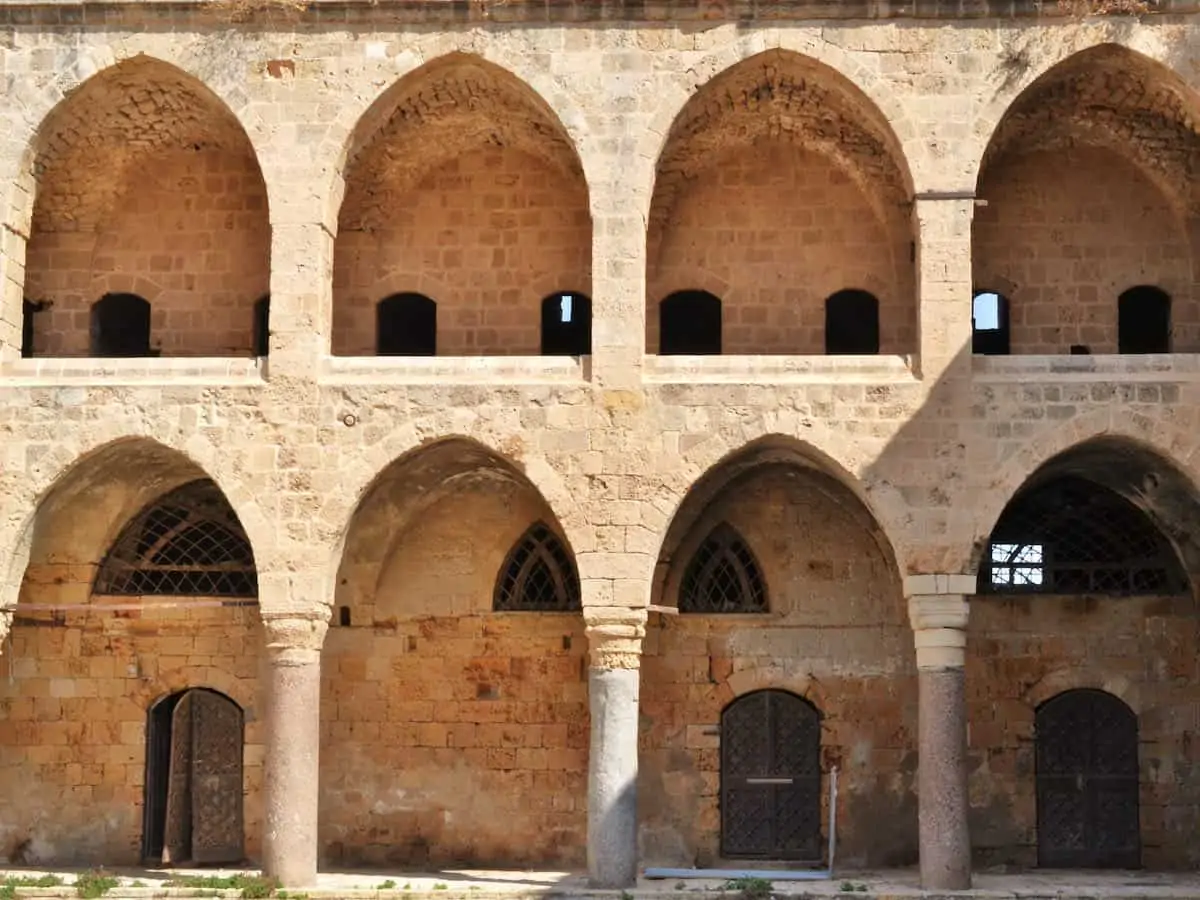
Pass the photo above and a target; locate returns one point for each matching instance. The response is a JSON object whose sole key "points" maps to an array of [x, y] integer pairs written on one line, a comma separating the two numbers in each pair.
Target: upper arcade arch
{"points": [[456, 154], [1092, 161], [813, 193], [144, 171]]}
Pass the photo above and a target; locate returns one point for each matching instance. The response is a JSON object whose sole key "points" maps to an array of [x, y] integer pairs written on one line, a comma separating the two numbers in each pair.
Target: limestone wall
{"points": [[771, 161]]}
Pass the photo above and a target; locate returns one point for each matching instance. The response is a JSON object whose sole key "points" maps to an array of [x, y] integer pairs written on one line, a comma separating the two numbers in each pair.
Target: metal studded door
{"points": [[177, 831], [217, 829], [771, 777], [1087, 782]]}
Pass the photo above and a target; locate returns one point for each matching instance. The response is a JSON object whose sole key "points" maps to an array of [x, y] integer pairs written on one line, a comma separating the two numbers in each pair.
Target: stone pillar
{"points": [[939, 621], [301, 298], [618, 287], [293, 739], [615, 643], [944, 280]]}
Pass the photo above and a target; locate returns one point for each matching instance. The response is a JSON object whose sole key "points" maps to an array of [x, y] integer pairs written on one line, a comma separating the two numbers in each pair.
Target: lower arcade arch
{"points": [[454, 719], [787, 591], [110, 752], [1086, 602]]}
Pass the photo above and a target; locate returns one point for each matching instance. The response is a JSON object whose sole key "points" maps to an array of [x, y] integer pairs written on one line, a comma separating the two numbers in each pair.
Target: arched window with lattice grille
{"points": [[187, 543], [537, 576], [1073, 536], [723, 576]]}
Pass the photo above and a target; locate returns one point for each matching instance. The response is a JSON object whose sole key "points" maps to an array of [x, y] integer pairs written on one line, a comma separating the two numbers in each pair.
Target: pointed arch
{"points": [[139, 165], [1070, 97], [538, 575], [1123, 496], [1105, 135], [81, 500], [784, 138], [463, 128]]}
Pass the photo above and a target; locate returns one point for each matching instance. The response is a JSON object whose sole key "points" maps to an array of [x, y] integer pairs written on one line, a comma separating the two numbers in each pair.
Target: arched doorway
{"points": [[771, 777], [193, 800], [1087, 782]]}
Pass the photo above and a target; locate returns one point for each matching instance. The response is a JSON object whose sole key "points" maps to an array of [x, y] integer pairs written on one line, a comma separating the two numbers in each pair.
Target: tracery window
{"points": [[1072, 536], [537, 576], [723, 577], [187, 543]]}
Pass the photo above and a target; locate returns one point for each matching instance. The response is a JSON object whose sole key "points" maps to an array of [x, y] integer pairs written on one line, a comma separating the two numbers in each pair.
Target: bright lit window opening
{"points": [[565, 308], [986, 312], [1017, 565]]}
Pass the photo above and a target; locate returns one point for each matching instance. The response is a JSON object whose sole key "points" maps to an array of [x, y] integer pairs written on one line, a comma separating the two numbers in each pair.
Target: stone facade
{"points": [[489, 155]]}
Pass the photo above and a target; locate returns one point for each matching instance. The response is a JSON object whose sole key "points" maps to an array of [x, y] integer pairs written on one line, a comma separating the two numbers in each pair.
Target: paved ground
{"points": [[508, 885]]}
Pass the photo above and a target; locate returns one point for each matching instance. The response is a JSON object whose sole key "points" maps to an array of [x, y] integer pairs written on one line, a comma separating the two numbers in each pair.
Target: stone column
{"points": [[939, 621], [293, 740], [615, 643], [944, 280]]}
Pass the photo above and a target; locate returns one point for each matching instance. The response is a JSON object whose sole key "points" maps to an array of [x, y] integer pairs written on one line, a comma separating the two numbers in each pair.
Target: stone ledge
{"points": [[349, 12], [494, 371], [1102, 367], [778, 370], [92, 372]]}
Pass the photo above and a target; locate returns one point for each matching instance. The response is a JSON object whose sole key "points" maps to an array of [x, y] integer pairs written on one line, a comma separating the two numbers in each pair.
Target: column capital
{"points": [[939, 623], [923, 585], [615, 636], [294, 639]]}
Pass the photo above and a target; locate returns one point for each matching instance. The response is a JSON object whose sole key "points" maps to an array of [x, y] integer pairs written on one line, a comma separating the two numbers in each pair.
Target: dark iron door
{"points": [[217, 828], [177, 832], [1087, 782], [771, 777]]}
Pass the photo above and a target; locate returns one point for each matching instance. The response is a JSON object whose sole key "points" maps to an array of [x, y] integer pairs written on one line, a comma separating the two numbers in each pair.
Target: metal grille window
{"points": [[538, 575], [723, 577], [1072, 536], [187, 543]]}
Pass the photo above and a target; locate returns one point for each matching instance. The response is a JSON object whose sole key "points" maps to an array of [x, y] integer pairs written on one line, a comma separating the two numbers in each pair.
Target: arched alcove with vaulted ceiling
{"points": [[781, 181], [783, 580], [462, 185], [145, 185], [454, 672], [140, 582], [1086, 581], [1089, 190]]}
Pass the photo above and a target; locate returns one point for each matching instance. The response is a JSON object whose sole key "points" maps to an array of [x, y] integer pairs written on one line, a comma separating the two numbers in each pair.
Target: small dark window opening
{"points": [[566, 325], [344, 616], [689, 324], [989, 324], [262, 326], [1081, 350], [406, 325], [28, 310], [1144, 321], [121, 326], [851, 324]]}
